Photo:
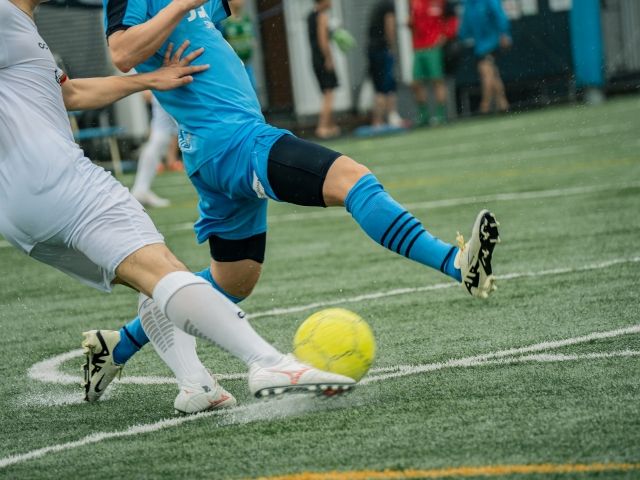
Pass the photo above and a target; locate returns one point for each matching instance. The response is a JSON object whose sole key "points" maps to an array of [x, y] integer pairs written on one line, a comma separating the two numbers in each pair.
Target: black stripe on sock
{"points": [[400, 229], [413, 240], [446, 259], [130, 337], [404, 237], [392, 225]]}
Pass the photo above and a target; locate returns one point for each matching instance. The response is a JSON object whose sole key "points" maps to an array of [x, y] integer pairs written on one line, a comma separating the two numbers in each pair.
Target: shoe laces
{"points": [[460, 241]]}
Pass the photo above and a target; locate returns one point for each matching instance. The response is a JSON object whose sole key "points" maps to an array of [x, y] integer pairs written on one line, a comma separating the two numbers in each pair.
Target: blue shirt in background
{"points": [[484, 22]]}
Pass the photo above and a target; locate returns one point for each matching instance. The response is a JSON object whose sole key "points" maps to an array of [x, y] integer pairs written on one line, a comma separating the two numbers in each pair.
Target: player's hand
{"points": [[177, 70], [328, 64], [505, 42]]}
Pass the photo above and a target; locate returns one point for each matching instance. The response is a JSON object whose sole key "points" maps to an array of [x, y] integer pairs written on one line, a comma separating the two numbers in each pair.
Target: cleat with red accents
{"points": [[200, 398], [290, 375]]}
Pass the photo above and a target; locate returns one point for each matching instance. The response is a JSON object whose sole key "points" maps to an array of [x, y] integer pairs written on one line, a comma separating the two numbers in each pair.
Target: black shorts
{"points": [[381, 70], [297, 170], [326, 78]]}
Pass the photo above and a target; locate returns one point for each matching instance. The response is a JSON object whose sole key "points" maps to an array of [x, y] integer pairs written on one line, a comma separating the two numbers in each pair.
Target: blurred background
{"points": [[557, 51]]}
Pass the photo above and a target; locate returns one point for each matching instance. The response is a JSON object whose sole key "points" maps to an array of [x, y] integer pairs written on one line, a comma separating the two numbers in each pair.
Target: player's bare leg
{"points": [[237, 279]]}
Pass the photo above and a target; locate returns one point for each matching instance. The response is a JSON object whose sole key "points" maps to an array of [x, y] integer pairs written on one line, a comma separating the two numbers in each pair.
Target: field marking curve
{"points": [[251, 412], [48, 370]]}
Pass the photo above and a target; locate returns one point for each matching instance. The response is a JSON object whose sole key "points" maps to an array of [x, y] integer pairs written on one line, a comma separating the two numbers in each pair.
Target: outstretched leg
{"points": [[303, 173]]}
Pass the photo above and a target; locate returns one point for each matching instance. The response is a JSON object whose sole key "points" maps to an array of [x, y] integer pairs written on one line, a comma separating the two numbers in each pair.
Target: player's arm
{"points": [[93, 93], [390, 29], [132, 45], [324, 41]]}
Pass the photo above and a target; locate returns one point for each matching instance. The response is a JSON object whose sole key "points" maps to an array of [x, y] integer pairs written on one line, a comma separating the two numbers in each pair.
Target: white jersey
{"points": [[55, 204]]}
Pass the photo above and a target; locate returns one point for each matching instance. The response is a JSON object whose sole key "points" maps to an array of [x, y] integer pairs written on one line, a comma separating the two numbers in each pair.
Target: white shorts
{"points": [[98, 223]]}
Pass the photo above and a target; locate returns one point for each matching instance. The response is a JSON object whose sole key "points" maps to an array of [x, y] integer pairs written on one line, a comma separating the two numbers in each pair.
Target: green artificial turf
{"points": [[585, 410]]}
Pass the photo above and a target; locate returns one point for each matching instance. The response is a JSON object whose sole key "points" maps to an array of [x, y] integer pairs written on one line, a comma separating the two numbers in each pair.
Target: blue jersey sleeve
{"points": [[218, 10], [122, 14], [502, 22]]}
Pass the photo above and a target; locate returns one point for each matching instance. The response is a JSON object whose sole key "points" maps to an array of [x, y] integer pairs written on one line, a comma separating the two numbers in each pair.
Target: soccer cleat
{"points": [[99, 368], [290, 375], [150, 199], [474, 258], [202, 398]]}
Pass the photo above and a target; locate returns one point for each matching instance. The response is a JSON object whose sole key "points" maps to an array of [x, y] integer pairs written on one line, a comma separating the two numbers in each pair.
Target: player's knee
{"points": [[342, 176], [236, 279]]}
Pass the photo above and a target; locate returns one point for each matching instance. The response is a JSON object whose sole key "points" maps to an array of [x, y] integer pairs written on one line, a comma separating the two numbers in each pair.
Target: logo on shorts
{"points": [[184, 141], [258, 187]]}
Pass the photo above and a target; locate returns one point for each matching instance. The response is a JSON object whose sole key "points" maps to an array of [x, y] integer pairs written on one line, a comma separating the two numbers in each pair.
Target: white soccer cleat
{"points": [[202, 398], [150, 199], [290, 375], [99, 368], [474, 257]]}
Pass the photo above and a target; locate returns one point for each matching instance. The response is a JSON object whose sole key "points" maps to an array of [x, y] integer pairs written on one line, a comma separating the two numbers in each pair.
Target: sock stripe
{"points": [[393, 224], [131, 337], [400, 229], [404, 237], [446, 259], [413, 240]]}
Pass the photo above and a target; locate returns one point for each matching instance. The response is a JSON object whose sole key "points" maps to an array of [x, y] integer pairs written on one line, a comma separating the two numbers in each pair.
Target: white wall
{"points": [[306, 93], [405, 42]]}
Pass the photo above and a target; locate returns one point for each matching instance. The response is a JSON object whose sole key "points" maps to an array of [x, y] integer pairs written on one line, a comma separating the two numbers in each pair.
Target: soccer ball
{"points": [[336, 340]]}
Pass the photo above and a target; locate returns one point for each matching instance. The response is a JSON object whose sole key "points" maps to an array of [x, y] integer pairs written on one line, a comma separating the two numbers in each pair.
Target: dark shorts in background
{"points": [[381, 70], [326, 78]]}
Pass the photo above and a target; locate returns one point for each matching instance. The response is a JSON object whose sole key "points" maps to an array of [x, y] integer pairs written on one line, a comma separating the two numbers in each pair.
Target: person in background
{"points": [[382, 44], [430, 32], [163, 130], [323, 66], [485, 23], [237, 29]]}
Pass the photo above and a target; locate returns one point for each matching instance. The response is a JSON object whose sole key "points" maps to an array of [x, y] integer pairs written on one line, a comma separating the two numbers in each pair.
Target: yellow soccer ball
{"points": [[336, 340]]}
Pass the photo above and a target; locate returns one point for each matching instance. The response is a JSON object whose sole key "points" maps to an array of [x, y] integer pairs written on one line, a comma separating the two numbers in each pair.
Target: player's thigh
{"points": [[308, 174]]}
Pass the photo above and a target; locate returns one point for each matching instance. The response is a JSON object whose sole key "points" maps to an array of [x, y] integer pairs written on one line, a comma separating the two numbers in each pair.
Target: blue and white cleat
{"points": [[99, 367], [474, 257]]}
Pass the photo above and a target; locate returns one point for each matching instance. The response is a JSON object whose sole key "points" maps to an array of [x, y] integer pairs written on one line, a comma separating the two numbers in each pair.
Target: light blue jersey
{"points": [[220, 106], [221, 124]]}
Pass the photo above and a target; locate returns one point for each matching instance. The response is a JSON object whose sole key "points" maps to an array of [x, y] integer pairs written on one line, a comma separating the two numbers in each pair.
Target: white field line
{"points": [[450, 202], [262, 411], [48, 370], [511, 355], [437, 286]]}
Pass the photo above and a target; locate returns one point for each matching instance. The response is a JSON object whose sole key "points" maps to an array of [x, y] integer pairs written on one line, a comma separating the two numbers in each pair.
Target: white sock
{"points": [[175, 347], [194, 306], [152, 152]]}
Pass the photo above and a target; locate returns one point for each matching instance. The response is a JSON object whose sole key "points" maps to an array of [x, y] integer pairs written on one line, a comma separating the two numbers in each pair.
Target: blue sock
{"points": [[390, 224], [132, 336]]}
